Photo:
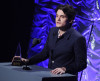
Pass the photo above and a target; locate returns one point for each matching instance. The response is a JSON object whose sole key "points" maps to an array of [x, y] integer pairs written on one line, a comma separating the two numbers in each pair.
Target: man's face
{"points": [[61, 18]]}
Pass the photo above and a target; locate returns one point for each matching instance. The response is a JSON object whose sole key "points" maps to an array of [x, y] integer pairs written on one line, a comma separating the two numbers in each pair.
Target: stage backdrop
{"points": [[87, 22]]}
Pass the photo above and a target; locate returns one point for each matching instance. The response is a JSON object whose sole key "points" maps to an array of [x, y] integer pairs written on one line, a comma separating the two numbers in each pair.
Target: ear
{"points": [[71, 21]]}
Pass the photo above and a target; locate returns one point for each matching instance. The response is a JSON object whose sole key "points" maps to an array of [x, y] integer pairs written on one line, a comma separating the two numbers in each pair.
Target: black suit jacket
{"points": [[67, 51]]}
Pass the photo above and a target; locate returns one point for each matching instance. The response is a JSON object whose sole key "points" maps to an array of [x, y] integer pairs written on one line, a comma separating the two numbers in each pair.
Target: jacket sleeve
{"points": [[80, 51], [42, 55]]}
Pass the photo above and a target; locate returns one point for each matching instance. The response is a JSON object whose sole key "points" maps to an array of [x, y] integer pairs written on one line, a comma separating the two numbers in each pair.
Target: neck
{"points": [[64, 28], [61, 31]]}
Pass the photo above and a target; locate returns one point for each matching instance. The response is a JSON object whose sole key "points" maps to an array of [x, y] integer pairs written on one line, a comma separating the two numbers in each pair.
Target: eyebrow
{"points": [[61, 15]]}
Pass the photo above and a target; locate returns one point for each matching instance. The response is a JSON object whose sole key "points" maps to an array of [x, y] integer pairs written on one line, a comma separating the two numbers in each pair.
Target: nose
{"points": [[58, 18]]}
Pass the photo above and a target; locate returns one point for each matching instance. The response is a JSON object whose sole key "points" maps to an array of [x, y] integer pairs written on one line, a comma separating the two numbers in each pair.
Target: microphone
{"points": [[35, 42]]}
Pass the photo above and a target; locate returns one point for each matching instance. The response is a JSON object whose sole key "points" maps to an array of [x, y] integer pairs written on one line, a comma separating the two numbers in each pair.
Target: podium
{"points": [[37, 73]]}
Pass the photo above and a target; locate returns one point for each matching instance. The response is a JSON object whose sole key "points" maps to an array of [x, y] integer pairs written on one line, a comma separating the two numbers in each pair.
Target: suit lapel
{"points": [[55, 36], [68, 33]]}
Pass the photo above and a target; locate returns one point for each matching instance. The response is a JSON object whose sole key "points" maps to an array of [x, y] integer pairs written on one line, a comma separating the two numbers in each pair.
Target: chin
{"points": [[58, 26]]}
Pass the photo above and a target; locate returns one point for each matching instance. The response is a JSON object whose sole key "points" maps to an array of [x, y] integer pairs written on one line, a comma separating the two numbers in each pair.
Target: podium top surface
{"points": [[16, 73]]}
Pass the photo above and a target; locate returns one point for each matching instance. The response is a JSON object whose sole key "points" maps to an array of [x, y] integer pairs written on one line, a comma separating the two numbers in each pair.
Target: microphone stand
{"points": [[26, 63], [34, 43], [26, 67]]}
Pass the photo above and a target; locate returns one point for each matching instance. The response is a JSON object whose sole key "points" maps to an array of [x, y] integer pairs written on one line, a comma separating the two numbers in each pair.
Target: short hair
{"points": [[68, 10]]}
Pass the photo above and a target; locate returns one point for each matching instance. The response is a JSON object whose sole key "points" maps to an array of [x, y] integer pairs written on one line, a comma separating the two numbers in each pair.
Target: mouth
{"points": [[58, 22]]}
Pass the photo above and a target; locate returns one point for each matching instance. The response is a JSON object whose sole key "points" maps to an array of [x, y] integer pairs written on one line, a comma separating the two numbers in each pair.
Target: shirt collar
{"points": [[67, 33]]}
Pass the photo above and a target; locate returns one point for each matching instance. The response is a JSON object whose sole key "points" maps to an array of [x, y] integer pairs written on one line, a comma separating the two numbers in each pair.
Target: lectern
{"points": [[37, 73]]}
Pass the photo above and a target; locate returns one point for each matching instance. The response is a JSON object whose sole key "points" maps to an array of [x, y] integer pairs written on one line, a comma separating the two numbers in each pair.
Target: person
{"points": [[65, 47]]}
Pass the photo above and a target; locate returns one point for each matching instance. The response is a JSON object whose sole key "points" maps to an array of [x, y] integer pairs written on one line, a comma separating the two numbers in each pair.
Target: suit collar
{"points": [[68, 33], [55, 32], [65, 35], [55, 36]]}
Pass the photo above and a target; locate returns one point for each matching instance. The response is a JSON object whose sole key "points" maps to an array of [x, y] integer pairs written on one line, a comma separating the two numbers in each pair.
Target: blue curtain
{"points": [[87, 22]]}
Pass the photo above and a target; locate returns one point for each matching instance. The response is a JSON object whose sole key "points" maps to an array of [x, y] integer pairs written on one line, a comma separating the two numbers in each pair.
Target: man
{"points": [[65, 47]]}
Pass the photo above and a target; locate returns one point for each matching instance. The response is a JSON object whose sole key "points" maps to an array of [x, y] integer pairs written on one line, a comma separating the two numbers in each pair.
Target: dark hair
{"points": [[68, 10]]}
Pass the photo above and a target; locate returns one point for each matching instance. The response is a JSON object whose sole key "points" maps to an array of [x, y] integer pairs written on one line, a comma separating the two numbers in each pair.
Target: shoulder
{"points": [[76, 35], [53, 29]]}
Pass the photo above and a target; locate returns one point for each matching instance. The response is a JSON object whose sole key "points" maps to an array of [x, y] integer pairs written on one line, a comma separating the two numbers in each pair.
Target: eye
{"points": [[56, 15], [62, 16]]}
